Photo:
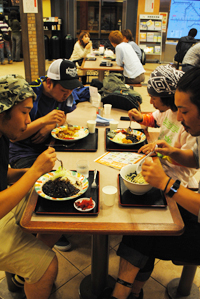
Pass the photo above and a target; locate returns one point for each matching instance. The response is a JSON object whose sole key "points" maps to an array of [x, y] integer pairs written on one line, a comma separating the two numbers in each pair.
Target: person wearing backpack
{"points": [[127, 58], [184, 44]]}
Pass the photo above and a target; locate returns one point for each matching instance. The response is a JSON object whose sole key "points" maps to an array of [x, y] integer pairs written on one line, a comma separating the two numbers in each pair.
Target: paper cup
{"points": [[107, 108], [91, 124], [109, 193], [113, 125]]}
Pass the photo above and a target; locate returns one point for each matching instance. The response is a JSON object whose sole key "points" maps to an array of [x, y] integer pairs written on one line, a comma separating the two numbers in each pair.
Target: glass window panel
{"points": [[88, 16]]}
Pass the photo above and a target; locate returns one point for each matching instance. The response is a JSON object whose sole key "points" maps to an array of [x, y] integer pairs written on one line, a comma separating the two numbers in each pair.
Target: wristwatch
{"points": [[174, 188]]}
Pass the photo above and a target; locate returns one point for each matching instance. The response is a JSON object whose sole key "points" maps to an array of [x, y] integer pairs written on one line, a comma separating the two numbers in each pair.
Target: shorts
{"points": [[22, 253]]}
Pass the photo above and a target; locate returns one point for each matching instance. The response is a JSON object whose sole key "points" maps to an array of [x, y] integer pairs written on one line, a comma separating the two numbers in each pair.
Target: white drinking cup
{"points": [[109, 194], [91, 124], [107, 108], [113, 125]]}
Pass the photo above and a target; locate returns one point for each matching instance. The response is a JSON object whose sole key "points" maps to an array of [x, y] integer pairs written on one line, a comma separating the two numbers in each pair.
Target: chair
{"points": [[182, 288]]}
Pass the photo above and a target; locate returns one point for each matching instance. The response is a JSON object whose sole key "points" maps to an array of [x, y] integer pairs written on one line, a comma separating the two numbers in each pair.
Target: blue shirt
{"points": [[41, 106]]}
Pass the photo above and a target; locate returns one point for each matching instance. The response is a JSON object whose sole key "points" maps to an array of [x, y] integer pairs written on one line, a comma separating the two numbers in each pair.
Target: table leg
{"points": [[93, 285], [101, 75]]}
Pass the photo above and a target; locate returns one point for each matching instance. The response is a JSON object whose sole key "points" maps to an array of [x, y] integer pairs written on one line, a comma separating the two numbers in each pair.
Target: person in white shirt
{"points": [[127, 58], [82, 48]]}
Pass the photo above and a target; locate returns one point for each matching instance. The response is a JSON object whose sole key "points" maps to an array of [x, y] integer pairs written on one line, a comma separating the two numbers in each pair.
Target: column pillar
{"points": [[33, 42]]}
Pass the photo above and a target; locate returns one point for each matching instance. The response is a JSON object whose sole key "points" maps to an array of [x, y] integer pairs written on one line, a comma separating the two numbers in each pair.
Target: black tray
{"points": [[87, 144], [66, 207], [153, 198], [114, 147]]}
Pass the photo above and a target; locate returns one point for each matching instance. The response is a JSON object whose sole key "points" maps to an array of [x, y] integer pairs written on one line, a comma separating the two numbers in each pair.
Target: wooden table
{"points": [[111, 220], [95, 66]]}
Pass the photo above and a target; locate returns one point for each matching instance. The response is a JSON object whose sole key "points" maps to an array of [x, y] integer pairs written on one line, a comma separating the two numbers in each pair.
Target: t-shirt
{"points": [[4, 155], [175, 135], [192, 56], [136, 48], [128, 59]]}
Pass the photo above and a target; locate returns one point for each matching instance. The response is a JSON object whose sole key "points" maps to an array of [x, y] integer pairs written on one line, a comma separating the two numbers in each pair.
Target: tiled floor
{"points": [[75, 264]]}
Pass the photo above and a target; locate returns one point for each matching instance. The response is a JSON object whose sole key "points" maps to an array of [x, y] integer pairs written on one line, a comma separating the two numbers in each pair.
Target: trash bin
{"points": [[46, 45], [68, 46], [55, 47]]}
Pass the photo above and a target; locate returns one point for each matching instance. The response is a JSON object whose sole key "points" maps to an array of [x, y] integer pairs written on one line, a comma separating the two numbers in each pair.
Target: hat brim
{"points": [[70, 84]]}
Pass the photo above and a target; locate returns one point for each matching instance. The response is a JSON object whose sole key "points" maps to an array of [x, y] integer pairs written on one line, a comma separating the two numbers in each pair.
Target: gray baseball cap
{"points": [[14, 89]]}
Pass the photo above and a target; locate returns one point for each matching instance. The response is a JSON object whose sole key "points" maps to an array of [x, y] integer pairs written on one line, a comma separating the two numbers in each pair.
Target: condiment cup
{"points": [[113, 125], [82, 167], [109, 194], [107, 108], [91, 124]]}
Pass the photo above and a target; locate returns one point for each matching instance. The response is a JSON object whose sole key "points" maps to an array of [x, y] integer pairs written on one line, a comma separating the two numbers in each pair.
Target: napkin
{"points": [[102, 121]]}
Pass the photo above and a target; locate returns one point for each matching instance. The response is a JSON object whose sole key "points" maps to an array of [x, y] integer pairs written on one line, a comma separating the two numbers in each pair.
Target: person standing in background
{"points": [[15, 36], [4, 28], [128, 38], [82, 48]]}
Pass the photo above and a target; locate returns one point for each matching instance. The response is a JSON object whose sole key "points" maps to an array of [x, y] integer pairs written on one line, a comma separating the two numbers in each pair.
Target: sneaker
{"points": [[18, 281], [10, 61], [63, 244], [131, 296], [3, 63]]}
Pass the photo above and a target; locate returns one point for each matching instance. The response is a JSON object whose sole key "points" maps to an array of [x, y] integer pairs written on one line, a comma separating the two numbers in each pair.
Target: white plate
{"points": [[135, 132], [46, 177], [80, 200], [84, 133]]}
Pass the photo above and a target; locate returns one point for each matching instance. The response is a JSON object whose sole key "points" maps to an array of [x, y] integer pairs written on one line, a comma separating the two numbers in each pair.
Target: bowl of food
{"points": [[61, 185], [133, 181], [84, 204]]}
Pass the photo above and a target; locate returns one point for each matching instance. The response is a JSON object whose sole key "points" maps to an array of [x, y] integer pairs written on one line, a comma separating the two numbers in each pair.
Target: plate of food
{"points": [[84, 204], [121, 136], [69, 133], [61, 185]]}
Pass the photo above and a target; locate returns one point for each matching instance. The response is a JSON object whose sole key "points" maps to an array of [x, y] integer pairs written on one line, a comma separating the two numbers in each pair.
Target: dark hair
{"points": [[115, 37], [190, 83], [169, 102], [80, 38], [192, 32], [1, 17], [55, 82], [128, 34]]}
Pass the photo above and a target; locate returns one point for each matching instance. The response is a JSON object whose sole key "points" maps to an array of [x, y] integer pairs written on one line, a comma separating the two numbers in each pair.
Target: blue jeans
{"points": [[7, 46], [1, 52], [16, 45]]}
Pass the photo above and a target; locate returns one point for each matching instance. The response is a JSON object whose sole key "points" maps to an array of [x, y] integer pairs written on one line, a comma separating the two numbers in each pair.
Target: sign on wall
{"points": [[149, 6], [30, 6], [164, 20]]}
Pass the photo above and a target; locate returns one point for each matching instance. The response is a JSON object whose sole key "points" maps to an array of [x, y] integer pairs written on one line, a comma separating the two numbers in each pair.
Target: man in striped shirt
{"points": [[4, 28]]}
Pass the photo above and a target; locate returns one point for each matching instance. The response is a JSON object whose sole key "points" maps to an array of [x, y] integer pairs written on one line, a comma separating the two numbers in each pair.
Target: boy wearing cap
{"points": [[136, 254], [20, 252], [54, 101]]}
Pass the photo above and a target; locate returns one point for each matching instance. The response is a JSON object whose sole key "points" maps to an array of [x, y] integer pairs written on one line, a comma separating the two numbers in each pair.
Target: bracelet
{"points": [[167, 184]]}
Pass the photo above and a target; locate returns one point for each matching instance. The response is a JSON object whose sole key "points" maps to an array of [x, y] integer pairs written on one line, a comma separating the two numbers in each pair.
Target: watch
{"points": [[174, 188]]}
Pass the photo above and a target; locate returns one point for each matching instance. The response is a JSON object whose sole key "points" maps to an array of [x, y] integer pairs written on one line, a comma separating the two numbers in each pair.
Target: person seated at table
{"points": [[49, 110], [138, 253], [128, 38], [161, 88], [127, 58], [21, 252], [82, 48]]}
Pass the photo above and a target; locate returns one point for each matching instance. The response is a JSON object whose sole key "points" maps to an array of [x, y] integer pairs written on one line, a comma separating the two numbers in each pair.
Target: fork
{"points": [[94, 184], [129, 130], [61, 162]]}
